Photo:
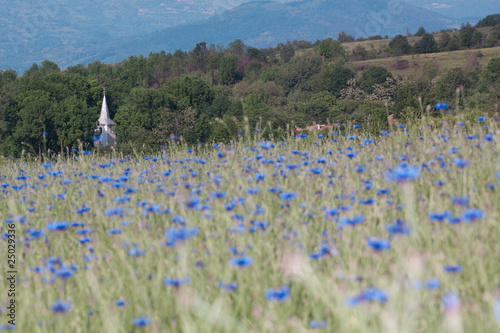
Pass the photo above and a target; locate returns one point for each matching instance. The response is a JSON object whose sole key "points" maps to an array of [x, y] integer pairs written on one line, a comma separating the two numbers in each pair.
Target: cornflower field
{"points": [[344, 232]]}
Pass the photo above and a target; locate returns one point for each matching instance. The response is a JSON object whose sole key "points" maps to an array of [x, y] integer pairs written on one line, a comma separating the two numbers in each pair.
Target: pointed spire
{"points": [[104, 117]]}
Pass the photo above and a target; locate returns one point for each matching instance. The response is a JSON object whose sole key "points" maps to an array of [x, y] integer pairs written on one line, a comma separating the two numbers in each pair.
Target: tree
{"points": [[420, 32], [426, 45], [345, 38], [228, 69], [371, 76], [286, 51], [489, 21], [493, 69], [466, 34], [334, 79], [444, 41], [331, 49], [255, 110], [297, 72], [399, 45], [319, 107], [405, 97]]}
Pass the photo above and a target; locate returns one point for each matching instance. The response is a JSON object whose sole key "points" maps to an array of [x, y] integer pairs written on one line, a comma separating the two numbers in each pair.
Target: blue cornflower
{"points": [[288, 195], [64, 273], [120, 303], [317, 324], [35, 233], [403, 173], [176, 282], [451, 301], [482, 118], [452, 269], [440, 106], [178, 219], [54, 226], [60, 307], [439, 216], [278, 295], [114, 231], [241, 261], [496, 310], [433, 283], [472, 214], [316, 170], [378, 244], [228, 286], [371, 294], [142, 321], [351, 221], [461, 163], [398, 228], [460, 201], [179, 234], [136, 252]]}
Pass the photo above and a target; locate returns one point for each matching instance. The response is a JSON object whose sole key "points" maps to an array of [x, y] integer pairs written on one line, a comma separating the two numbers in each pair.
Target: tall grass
{"points": [[105, 271]]}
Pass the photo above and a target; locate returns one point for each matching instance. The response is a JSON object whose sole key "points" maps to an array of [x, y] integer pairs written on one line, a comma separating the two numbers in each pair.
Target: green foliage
{"points": [[228, 69], [399, 45], [319, 107], [420, 32], [256, 111], [331, 49], [489, 21], [405, 97], [297, 72], [426, 45], [333, 79], [371, 76]]}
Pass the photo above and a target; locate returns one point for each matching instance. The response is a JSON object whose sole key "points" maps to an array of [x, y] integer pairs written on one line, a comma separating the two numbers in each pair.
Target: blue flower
{"points": [[371, 294], [398, 228], [228, 286], [54, 226], [451, 301], [317, 324], [497, 310], [452, 269], [351, 221], [35, 233], [461, 163], [440, 106], [176, 282], [288, 195], [60, 307], [120, 303], [433, 283], [114, 231], [403, 173], [142, 321], [64, 273], [278, 295], [472, 214], [241, 261], [460, 201], [378, 244], [180, 234], [482, 118], [136, 252], [316, 170]]}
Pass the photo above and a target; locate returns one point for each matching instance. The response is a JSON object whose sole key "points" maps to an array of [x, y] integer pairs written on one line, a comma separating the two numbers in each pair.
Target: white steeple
{"points": [[106, 135], [104, 117]]}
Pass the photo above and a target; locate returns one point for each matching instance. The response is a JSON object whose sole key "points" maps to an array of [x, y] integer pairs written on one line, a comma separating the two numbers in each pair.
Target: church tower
{"points": [[105, 126]]}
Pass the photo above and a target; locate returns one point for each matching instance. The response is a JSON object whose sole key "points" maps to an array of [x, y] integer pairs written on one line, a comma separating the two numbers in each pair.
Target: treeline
{"points": [[204, 95]]}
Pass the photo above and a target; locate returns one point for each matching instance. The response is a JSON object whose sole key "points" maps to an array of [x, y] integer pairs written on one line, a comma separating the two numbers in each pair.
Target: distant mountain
{"points": [[267, 23], [470, 10], [71, 32]]}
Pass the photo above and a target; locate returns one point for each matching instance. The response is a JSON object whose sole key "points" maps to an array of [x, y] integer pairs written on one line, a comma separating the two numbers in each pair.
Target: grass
{"points": [[209, 186]]}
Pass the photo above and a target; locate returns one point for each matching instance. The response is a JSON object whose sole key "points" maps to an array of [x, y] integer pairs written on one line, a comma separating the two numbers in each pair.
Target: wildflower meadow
{"points": [[337, 232]]}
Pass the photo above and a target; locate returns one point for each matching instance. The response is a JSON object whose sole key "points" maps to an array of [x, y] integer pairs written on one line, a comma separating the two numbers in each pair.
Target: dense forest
{"points": [[205, 95]]}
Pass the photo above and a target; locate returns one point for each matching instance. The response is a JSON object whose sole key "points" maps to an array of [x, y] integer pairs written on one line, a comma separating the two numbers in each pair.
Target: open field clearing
{"points": [[340, 233]]}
